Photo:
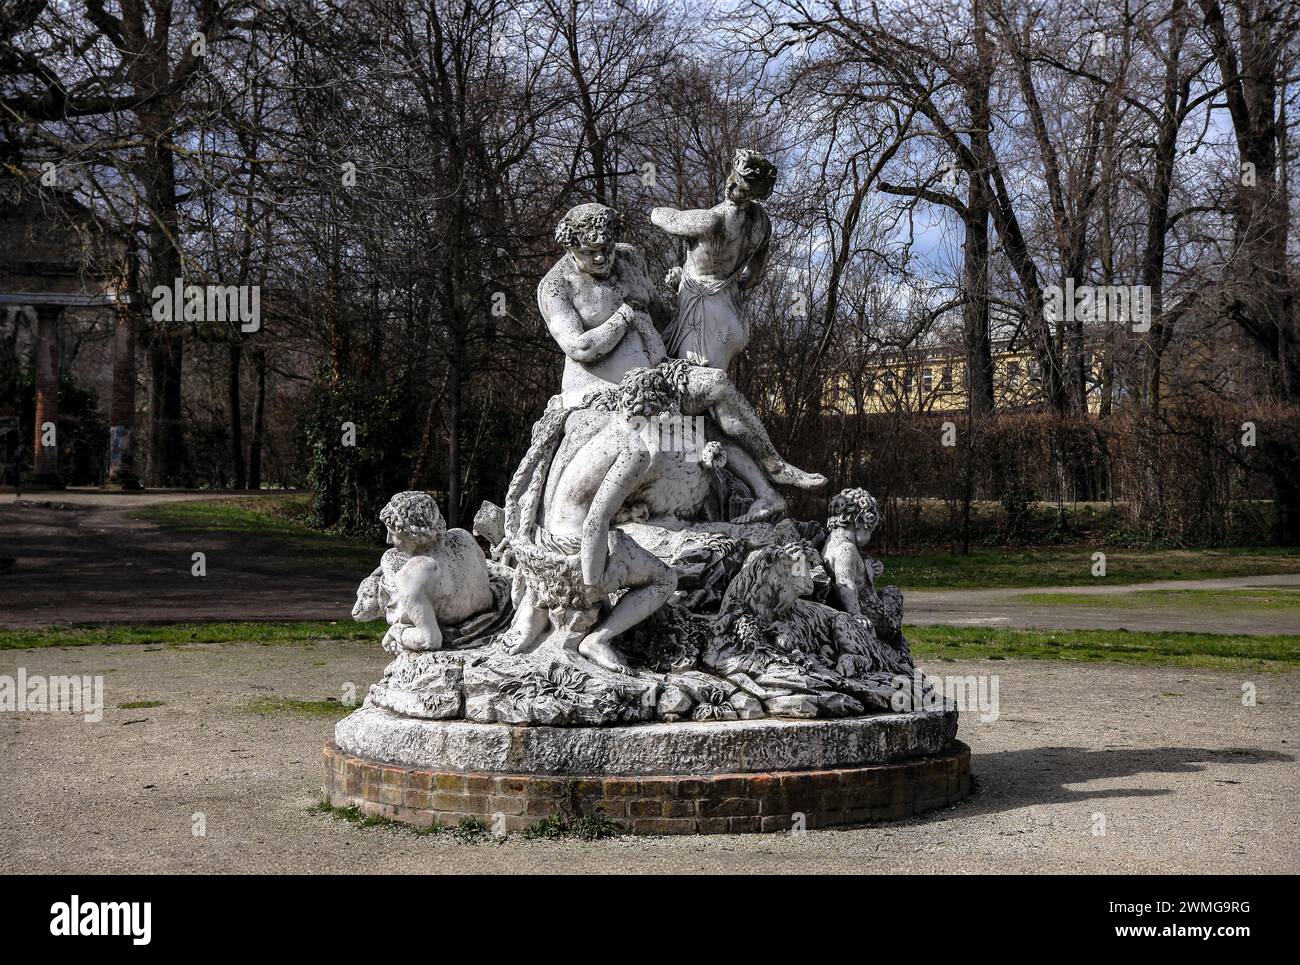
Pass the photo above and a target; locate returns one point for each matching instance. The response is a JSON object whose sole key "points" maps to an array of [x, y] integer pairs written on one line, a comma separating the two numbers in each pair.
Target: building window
{"points": [[889, 381], [1013, 373], [945, 380], [927, 380]]}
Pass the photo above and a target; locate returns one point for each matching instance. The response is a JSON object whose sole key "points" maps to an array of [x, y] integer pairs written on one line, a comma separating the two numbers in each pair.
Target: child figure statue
{"points": [[854, 516], [434, 578]]}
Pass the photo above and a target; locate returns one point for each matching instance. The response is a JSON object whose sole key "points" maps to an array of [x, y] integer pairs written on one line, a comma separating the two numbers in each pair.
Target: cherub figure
{"points": [[854, 515], [433, 577]]}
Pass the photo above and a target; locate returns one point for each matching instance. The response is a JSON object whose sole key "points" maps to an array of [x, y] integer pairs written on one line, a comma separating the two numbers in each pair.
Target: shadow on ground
{"points": [[1041, 775]]}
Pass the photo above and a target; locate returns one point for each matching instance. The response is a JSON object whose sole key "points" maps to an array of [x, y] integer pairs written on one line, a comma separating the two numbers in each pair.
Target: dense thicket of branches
{"points": [[390, 173]]}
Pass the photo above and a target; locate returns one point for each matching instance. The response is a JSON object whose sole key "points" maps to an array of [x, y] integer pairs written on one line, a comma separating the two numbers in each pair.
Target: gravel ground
{"points": [[1187, 778]]}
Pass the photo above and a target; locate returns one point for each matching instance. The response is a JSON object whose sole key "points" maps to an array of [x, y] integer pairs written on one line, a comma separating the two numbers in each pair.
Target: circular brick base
{"points": [[695, 804]]}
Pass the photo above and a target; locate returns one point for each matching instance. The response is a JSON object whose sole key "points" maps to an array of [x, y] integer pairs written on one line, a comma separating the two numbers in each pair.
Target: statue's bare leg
{"points": [[767, 503], [527, 627], [651, 584], [710, 389]]}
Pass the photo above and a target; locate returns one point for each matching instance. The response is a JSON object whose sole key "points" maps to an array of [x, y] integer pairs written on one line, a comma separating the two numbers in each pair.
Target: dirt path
{"points": [[1186, 777], [67, 562]]}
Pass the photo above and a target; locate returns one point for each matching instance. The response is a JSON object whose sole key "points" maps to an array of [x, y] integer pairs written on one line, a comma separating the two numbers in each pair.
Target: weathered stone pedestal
{"points": [[681, 778]]}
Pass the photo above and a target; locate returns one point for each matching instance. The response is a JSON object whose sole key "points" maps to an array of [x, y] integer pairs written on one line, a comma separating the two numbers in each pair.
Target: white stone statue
{"points": [[727, 248], [854, 515], [433, 578], [596, 302], [620, 588]]}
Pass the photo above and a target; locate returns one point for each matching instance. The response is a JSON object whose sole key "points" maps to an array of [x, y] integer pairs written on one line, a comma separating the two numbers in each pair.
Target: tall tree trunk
{"points": [[167, 458], [259, 413], [455, 401], [236, 422]]}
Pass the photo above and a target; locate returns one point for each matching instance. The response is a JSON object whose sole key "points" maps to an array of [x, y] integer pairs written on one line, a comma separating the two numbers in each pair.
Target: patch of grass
{"points": [[1216, 651], [592, 827], [179, 634], [141, 704], [469, 830], [1262, 599], [353, 815], [1072, 566], [475, 831], [330, 707]]}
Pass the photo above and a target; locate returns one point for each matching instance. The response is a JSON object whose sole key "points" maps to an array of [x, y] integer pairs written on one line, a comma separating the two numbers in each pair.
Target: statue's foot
{"points": [[594, 648], [518, 640], [784, 474], [763, 509]]}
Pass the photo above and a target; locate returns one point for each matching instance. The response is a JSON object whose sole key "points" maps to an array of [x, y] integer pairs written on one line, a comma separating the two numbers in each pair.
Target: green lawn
{"points": [[1072, 566], [1217, 651], [1236, 601], [1210, 650], [179, 634]]}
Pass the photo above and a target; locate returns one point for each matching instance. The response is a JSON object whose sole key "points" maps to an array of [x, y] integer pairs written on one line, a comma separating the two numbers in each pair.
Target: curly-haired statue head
{"points": [[590, 232], [413, 521], [647, 392], [752, 177], [771, 580], [855, 510]]}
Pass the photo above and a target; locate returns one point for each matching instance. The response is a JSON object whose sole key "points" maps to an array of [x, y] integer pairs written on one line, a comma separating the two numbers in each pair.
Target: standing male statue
{"points": [[727, 249]]}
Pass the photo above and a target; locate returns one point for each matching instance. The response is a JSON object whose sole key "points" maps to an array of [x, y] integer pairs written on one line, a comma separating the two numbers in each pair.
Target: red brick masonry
{"points": [[723, 803]]}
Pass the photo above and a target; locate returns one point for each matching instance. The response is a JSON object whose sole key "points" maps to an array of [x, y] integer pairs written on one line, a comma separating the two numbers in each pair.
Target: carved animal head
{"points": [[771, 580], [413, 516], [367, 606]]}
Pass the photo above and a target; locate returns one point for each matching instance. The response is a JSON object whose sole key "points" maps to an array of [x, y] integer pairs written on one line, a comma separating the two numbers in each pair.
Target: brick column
{"points": [[121, 449], [45, 467]]}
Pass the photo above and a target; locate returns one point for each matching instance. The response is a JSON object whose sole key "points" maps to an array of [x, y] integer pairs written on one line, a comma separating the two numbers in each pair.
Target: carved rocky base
{"points": [[682, 778]]}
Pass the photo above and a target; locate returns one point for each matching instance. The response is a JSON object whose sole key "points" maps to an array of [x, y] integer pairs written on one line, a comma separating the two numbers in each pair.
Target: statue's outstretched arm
{"points": [[684, 224], [565, 325]]}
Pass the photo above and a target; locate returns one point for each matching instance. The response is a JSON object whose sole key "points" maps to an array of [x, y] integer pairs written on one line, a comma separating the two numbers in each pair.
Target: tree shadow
{"points": [[1040, 775]]}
